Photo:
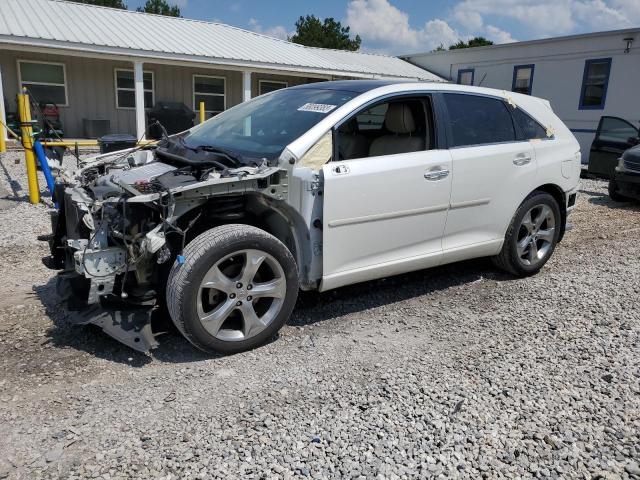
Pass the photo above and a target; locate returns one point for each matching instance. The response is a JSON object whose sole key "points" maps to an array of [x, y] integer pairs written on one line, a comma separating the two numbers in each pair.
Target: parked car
{"points": [[311, 187], [613, 136], [625, 183], [175, 117]]}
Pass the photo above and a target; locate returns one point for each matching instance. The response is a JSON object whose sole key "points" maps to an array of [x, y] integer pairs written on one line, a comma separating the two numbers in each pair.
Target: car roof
{"points": [[356, 86]]}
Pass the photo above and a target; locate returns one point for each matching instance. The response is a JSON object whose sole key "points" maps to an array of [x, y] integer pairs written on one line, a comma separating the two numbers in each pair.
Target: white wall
{"points": [[559, 67]]}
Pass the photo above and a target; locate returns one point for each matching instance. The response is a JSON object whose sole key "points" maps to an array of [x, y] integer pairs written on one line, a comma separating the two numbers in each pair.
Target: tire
{"points": [[518, 255], [220, 300], [613, 192]]}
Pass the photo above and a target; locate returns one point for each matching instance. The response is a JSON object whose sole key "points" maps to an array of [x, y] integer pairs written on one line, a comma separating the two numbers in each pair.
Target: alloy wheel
{"points": [[536, 235], [241, 295]]}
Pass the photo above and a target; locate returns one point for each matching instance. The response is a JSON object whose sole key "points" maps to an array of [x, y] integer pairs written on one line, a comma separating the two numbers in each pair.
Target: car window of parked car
{"points": [[529, 128], [614, 129], [401, 125], [477, 120]]}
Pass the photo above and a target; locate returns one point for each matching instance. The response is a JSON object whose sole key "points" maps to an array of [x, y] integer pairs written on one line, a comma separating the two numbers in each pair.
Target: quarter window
{"points": [[529, 128], [211, 91], [476, 120], [465, 77], [266, 86], [522, 79], [126, 89], [45, 82], [594, 84]]}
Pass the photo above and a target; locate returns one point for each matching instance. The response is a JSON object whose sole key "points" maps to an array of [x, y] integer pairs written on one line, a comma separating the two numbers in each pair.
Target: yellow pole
{"points": [[201, 112], [27, 143], [3, 142]]}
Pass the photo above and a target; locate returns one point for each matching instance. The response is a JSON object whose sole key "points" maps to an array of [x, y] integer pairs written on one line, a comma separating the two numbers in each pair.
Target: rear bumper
{"points": [[570, 199]]}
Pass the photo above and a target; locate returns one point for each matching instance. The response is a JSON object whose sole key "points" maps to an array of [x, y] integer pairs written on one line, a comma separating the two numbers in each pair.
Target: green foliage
{"points": [[310, 31], [160, 7], [439, 48], [474, 42], [104, 3]]}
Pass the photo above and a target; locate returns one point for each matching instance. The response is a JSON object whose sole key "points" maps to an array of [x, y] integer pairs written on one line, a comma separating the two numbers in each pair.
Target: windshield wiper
{"points": [[218, 151]]}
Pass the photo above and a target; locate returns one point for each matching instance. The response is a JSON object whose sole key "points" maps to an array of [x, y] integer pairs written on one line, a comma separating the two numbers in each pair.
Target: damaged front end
{"points": [[123, 221]]}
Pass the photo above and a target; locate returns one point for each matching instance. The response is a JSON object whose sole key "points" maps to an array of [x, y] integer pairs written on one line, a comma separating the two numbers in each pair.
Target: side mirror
{"points": [[633, 141]]}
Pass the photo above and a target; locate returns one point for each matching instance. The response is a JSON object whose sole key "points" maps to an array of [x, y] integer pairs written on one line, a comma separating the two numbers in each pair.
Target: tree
{"points": [[104, 3], [160, 7], [439, 48], [310, 31], [474, 42]]}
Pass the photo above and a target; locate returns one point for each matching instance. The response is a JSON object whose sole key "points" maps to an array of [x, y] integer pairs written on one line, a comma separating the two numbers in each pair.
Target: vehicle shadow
{"points": [[603, 199], [311, 308]]}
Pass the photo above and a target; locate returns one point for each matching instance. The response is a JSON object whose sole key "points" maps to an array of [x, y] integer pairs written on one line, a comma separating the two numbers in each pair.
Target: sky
{"points": [[408, 26]]}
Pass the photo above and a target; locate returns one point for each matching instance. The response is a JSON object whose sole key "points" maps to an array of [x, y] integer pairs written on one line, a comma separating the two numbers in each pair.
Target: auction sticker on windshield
{"points": [[316, 107]]}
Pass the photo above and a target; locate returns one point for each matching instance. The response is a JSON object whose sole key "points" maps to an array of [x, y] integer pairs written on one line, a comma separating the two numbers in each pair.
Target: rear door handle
{"points": [[438, 174], [522, 159]]}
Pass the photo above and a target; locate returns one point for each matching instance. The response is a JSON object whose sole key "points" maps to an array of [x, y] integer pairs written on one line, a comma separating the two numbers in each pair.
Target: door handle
{"points": [[522, 159], [438, 174]]}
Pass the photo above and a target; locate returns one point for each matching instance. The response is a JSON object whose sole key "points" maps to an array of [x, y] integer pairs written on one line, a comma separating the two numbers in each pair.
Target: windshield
{"points": [[264, 126]]}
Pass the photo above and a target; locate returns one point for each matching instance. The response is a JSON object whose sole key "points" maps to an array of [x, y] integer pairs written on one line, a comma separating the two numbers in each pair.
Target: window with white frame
{"points": [[211, 91], [126, 89], [266, 86], [45, 81]]}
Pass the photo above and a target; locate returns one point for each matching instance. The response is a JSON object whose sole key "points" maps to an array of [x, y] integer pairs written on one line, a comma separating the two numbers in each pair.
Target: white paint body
{"points": [[559, 65], [381, 216]]}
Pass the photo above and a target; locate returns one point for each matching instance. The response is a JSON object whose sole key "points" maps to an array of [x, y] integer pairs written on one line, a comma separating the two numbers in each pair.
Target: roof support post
{"points": [[138, 80], [4, 135], [246, 85]]}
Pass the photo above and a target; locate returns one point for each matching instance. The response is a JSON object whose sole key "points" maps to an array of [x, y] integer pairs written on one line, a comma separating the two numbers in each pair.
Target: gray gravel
{"points": [[454, 372]]}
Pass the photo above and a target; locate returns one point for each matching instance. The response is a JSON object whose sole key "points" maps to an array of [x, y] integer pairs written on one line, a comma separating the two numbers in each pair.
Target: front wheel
{"points": [[236, 288], [532, 236]]}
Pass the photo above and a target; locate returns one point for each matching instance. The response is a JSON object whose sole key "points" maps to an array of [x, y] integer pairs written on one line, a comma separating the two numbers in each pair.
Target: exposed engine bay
{"points": [[125, 218]]}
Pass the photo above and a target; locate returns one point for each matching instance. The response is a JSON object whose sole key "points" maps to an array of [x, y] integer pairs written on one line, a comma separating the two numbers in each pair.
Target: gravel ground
{"points": [[454, 372]]}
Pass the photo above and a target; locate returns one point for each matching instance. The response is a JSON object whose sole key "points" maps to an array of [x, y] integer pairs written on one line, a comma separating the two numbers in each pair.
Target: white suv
{"points": [[312, 187]]}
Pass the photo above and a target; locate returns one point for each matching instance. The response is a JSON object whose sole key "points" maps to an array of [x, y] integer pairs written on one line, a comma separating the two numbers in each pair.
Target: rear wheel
{"points": [[532, 236], [235, 289], [613, 192]]}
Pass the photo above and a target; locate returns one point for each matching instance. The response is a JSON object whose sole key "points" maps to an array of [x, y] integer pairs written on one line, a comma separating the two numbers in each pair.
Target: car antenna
{"points": [[482, 80]]}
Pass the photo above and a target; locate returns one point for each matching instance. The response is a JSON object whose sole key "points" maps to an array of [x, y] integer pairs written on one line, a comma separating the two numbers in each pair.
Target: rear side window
{"points": [[478, 120], [529, 128]]}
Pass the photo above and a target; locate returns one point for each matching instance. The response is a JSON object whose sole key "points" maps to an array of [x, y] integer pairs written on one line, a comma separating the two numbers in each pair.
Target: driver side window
{"points": [[400, 125]]}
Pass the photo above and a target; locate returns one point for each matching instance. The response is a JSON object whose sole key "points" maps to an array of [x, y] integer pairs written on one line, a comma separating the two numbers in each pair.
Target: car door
{"points": [[384, 213], [613, 137], [492, 171]]}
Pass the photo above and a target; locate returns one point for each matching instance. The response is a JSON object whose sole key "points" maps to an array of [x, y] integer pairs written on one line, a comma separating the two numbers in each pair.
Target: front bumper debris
{"points": [[130, 327]]}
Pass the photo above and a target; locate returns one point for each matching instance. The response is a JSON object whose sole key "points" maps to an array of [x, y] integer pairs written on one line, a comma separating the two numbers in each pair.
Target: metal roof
{"points": [[537, 41], [100, 30]]}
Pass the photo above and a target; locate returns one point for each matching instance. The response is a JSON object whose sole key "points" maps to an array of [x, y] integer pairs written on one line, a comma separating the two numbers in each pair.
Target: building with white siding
{"points": [[98, 63], [585, 77]]}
